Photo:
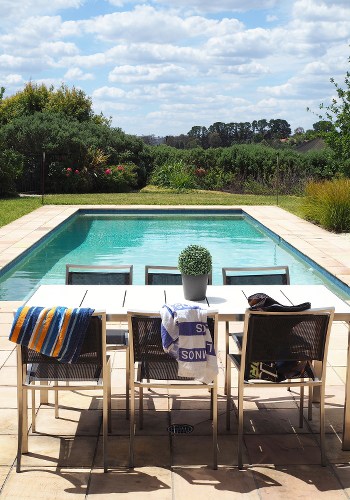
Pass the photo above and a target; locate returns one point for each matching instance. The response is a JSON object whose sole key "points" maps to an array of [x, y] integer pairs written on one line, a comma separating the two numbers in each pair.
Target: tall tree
{"points": [[279, 129], [338, 113], [73, 103]]}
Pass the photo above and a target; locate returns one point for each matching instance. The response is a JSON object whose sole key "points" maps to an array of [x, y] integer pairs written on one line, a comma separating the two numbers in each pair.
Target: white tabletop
{"points": [[230, 301]]}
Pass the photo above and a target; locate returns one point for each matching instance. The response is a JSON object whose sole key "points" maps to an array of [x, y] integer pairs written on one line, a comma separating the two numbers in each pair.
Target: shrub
{"points": [[11, 166], [116, 178], [176, 175], [195, 260], [328, 204]]}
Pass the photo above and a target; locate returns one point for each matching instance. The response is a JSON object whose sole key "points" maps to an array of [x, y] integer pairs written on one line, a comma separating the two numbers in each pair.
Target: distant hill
{"points": [[316, 144]]}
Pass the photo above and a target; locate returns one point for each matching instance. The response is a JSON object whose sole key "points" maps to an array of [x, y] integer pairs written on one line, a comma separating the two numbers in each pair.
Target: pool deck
{"points": [[65, 453]]}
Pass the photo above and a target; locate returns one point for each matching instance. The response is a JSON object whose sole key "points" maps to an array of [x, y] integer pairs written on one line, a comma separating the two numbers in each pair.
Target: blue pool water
{"points": [[151, 239]]}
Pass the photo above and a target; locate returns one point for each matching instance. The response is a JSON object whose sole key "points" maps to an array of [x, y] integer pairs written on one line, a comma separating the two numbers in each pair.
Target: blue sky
{"points": [[160, 67]]}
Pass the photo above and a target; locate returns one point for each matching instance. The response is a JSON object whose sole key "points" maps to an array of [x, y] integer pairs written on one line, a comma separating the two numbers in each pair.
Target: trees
{"points": [[61, 123], [221, 134], [323, 126], [338, 114], [34, 98]]}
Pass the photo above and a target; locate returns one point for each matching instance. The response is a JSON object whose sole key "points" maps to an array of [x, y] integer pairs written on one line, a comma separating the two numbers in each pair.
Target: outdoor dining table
{"points": [[229, 301]]}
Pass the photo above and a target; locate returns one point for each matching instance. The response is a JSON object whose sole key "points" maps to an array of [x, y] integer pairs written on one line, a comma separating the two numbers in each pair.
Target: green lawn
{"points": [[11, 209]]}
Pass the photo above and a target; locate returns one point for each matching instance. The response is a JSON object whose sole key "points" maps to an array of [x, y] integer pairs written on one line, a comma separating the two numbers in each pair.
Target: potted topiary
{"points": [[195, 264]]}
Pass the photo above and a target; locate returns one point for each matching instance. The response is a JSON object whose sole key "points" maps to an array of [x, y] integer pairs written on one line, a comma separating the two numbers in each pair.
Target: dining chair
{"points": [[165, 275], [116, 337], [162, 275], [275, 337], [90, 371], [156, 368], [272, 275]]}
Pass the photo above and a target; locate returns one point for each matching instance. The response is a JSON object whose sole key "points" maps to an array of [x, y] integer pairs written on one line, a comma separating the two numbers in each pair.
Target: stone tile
{"points": [[341, 372], [275, 421], [11, 359], [206, 484], [334, 420], [4, 355], [201, 421], [282, 449], [297, 481], [139, 483], [337, 357], [148, 451], [5, 343], [154, 399], [8, 449], [46, 451], [8, 421], [8, 376], [49, 483], [79, 399], [4, 471], [266, 398], [335, 454], [194, 451], [69, 423], [334, 395], [342, 472], [337, 341], [155, 423], [9, 398], [333, 377]]}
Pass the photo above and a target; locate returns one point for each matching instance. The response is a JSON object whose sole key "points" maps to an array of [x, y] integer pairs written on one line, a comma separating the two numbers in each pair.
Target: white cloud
{"points": [[207, 6], [37, 30], [318, 10], [146, 24], [271, 18], [286, 89], [146, 73], [10, 62], [21, 9], [12, 79], [108, 93], [77, 74], [254, 43]]}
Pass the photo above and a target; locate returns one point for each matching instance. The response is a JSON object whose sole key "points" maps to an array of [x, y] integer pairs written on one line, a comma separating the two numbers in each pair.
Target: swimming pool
{"points": [[110, 238]]}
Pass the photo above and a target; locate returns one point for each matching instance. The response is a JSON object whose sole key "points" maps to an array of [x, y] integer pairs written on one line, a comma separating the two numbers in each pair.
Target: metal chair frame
{"points": [[315, 376], [167, 384], [25, 383], [116, 338]]}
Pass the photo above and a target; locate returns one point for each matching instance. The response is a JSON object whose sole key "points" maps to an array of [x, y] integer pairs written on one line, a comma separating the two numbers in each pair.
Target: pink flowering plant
{"points": [[119, 178]]}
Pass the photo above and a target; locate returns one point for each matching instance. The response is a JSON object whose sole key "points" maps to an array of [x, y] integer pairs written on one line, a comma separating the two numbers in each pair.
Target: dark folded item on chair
{"points": [[262, 302]]}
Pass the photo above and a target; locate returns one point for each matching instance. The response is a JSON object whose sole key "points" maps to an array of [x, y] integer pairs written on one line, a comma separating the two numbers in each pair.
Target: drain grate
{"points": [[180, 429]]}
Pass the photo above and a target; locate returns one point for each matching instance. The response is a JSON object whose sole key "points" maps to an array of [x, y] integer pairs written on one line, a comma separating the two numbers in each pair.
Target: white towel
{"points": [[186, 337]]}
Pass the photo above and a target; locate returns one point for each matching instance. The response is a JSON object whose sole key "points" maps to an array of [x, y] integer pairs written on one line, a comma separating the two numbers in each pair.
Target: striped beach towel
{"points": [[186, 337], [54, 331]]}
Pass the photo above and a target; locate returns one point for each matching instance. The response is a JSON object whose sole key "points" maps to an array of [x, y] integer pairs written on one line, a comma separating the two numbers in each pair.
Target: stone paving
{"points": [[65, 460]]}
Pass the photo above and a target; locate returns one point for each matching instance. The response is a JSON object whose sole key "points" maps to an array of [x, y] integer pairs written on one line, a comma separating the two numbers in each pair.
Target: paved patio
{"points": [[65, 461]]}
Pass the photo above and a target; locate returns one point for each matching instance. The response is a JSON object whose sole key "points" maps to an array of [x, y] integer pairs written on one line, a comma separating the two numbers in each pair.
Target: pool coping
{"points": [[328, 250]]}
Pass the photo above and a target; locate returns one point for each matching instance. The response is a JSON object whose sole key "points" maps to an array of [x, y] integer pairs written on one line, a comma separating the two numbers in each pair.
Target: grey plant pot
{"points": [[195, 287]]}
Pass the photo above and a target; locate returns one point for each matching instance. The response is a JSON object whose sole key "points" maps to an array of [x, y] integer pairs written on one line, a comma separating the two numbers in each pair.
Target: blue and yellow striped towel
{"points": [[58, 332]]}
